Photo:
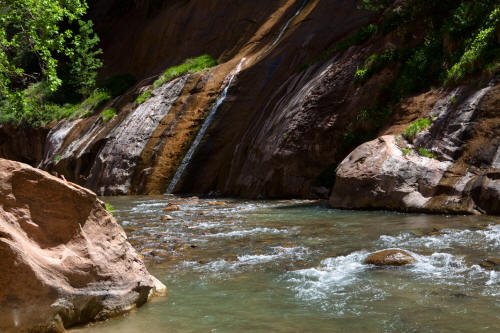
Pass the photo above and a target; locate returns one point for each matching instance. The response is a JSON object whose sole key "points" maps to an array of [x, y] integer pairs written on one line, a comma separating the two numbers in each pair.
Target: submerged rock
{"points": [[390, 258], [65, 261], [491, 263]]}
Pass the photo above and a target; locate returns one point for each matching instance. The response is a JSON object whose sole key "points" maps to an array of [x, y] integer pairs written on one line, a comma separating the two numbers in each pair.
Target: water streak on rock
{"points": [[189, 155]]}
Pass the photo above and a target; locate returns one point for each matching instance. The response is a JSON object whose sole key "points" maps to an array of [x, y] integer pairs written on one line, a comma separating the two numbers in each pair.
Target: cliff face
{"points": [[461, 173], [281, 107]]}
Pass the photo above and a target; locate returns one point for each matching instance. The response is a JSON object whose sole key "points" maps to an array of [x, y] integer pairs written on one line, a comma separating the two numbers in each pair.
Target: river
{"points": [[296, 266]]}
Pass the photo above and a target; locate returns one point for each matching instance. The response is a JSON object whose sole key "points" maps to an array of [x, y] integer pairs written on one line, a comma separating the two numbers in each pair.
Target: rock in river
{"points": [[390, 258], [64, 259]]}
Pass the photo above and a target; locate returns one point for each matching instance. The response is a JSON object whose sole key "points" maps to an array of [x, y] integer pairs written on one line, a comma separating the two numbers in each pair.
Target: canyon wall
{"points": [[290, 106]]}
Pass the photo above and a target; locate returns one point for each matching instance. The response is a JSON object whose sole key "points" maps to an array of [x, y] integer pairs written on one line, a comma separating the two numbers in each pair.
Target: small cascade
{"points": [[201, 133], [283, 30]]}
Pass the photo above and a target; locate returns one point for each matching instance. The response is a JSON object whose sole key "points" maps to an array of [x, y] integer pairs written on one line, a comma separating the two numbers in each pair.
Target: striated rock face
{"points": [[461, 177], [379, 175], [64, 259], [390, 258]]}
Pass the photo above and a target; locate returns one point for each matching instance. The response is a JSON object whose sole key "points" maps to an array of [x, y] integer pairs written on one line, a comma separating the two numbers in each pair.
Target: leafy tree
{"points": [[43, 40]]}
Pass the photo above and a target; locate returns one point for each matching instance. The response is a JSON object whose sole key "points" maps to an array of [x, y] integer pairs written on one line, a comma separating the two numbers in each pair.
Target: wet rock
{"points": [[390, 258], [159, 289], [170, 209], [166, 218], [461, 177], [491, 263], [231, 258], [379, 175], [61, 254]]}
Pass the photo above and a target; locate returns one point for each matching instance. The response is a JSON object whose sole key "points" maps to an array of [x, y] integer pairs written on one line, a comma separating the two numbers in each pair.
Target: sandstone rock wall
{"points": [[65, 261], [461, 177]]}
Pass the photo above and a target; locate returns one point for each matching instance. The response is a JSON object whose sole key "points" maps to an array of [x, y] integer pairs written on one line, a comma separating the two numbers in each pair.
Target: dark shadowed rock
{"points": [[390, 258], [65, 261]]}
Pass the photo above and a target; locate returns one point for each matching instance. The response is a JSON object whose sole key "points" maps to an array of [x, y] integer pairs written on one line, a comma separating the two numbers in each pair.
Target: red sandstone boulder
{"points": [[64, 260], [390, 258]]}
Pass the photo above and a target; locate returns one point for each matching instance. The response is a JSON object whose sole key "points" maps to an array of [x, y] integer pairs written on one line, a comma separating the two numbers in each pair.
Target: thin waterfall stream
{"points": [[201, 133], [283, 30], [206, 124]]}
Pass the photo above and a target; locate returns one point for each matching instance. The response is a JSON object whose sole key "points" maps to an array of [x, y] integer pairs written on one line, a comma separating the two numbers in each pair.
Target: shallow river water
{"points": [[297, 266]]}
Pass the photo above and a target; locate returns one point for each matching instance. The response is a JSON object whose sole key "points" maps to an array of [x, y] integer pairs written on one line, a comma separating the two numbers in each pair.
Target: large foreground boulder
{"points": [[64, 260]]}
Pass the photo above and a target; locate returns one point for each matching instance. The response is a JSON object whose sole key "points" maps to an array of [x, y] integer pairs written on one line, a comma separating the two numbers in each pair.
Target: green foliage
{"points": [[39, 34], [424, 152], [143, 97], [57, 158], [118, 84], [30, 107], [476, 50], [108, 114], [406, 151], [374, 63], [191, 65], [109, 208], [45, 42], [416, 127]]}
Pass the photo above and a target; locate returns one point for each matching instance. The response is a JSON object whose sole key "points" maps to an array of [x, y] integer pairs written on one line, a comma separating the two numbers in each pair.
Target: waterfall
{"points": [[189, 155], [284, 29], [201, 133]]}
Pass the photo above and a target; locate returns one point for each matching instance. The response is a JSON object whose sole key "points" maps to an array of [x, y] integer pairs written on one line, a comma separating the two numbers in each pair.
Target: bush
{"points": [[191, 65], [143, 97], [108, 114], [477, 49], [30, 107], [417, 127], [424, 152]]}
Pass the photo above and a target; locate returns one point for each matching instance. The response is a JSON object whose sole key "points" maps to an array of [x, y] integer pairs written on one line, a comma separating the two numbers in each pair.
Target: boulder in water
{"points": [[65, 261], [491, 263], [390, 258]]}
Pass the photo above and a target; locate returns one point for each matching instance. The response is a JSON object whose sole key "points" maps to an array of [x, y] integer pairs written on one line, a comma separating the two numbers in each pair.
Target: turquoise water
{"points": [[296, 266]]}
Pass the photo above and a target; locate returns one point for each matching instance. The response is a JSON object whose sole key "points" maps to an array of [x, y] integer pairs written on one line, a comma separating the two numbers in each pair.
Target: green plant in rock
{"points": [[417, 127], [476, 50], [57, 158], [109, 208], [143, 97], [406, 151], [424, 152], [108, 114], [191, 65], [374, 63]]}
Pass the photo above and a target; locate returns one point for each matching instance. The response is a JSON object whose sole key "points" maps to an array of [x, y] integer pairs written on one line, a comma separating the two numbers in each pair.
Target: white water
{"points": [[201, 133], [283, 30]]}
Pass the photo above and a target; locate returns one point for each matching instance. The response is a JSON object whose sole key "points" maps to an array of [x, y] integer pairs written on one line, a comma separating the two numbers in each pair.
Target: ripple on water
{"points": [[486, 239], [344, 284]]}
